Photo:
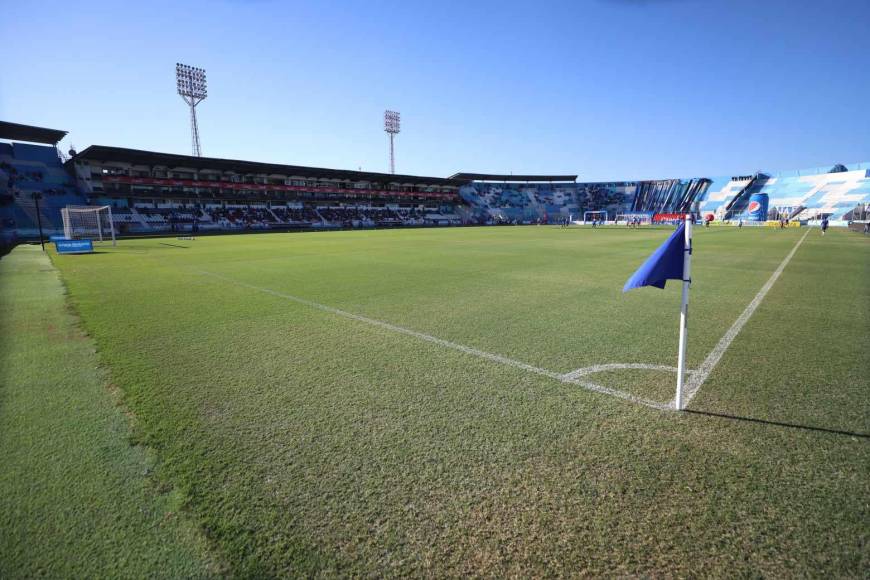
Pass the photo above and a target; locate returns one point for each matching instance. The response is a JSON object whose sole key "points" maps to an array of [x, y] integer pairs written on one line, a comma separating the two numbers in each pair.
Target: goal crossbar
{"points": [[88, 221], [595, 215]]}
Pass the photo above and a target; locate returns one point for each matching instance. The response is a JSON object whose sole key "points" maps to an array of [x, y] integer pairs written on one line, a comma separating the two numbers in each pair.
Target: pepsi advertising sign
{"points": [[756, 211], [74, 246]]}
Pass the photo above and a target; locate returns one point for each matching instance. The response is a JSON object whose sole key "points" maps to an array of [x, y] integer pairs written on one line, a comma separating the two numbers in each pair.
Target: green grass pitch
{"points": [[395, 402]]}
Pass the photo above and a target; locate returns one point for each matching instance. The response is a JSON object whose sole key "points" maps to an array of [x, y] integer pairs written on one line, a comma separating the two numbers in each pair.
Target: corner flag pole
{"points": [[684, 312], [671, 261]]}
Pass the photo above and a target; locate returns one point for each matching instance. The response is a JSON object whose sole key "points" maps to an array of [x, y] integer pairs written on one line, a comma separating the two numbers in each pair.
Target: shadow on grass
{"points": [[780, 424], [173, 245]]}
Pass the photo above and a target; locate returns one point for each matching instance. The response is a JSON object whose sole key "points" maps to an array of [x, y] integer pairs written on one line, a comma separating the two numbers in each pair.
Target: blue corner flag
{"points": [[666, 263]]}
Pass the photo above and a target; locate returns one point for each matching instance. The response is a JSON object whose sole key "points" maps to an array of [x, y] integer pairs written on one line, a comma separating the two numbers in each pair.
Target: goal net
{"points": [[639, 218], [88, 222], [598, 216]]}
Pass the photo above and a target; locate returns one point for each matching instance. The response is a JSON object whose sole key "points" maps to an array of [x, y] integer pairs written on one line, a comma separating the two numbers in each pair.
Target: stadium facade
{"points": [[158, 191], [153, 192]]}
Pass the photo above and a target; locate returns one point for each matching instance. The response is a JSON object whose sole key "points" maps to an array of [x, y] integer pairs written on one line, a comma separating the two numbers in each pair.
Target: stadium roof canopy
{"points": [[150, 158], [18, 132], [499, 177]]}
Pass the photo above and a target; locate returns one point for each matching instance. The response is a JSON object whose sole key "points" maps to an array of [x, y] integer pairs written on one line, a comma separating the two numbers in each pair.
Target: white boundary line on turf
{"points": [[618, 366], [569, 378], [697, 379]]}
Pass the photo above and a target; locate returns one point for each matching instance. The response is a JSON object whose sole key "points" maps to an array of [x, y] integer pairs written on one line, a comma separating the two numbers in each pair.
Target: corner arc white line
{"points": [[617, 367], [697, 379], [446, 343], [616, 393]]}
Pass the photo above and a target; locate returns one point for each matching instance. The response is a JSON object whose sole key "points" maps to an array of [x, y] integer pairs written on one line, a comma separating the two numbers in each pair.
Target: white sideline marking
{"points": [[564, 378], [697, 379], [618, 366], [694, 383]]}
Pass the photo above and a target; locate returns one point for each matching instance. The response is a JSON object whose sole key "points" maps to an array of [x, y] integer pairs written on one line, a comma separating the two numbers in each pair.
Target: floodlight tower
{"points": [[391, 126], [192, 88]]}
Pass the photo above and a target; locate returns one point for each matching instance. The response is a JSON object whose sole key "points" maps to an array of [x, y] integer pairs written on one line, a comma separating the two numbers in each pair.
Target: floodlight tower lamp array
{"points": [[392, 126], [191, 85]]}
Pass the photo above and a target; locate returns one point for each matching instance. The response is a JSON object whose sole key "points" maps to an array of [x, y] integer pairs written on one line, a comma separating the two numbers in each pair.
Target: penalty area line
{"points": [[698, 377], [497, 358]]}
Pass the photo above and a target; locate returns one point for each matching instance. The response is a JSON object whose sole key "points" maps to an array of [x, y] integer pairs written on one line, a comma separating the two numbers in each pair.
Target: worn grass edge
{"points": [[216, 563]]}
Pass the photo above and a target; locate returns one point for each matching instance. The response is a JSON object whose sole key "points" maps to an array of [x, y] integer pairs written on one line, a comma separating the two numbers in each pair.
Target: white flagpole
{"points": [[684, 312]]}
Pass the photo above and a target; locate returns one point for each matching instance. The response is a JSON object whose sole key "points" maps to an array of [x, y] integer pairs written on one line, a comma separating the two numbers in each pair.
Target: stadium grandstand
{"points": [[154, 193], [837, 193], [524, 199], [34, 185]]}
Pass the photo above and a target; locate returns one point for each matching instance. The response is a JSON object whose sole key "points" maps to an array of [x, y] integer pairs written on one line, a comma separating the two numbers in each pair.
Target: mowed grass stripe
{"points": [[76, 499], [814, 325], [696, 380], [303, 445], [548, 297], [497, 358]]}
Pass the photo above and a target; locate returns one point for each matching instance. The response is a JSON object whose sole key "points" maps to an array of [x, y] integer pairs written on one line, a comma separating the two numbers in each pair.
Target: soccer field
{"points": [[487, 401]]}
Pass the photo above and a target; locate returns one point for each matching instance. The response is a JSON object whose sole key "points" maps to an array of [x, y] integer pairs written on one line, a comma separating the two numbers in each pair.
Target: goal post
{"points": [[595, 215], [86, 221], [637, 217]]}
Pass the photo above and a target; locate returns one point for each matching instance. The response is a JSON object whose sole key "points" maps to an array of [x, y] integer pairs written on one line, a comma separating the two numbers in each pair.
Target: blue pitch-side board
{"points": [[74, 246]]}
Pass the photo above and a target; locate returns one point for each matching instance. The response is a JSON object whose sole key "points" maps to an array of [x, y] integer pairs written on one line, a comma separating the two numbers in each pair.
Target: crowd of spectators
{"points": [[182, 217], [292, 215], [248, 217], [360, 216], [589, 197], [410, 214], [599, 198], [14, 176]]}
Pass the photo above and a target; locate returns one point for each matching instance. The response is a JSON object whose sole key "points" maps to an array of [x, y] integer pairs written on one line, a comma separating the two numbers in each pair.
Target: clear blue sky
{"points": [[608, 89]]}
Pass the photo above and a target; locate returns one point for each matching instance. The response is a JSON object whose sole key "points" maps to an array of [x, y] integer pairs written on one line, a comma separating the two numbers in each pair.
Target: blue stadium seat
{"points": [[42, 153]]}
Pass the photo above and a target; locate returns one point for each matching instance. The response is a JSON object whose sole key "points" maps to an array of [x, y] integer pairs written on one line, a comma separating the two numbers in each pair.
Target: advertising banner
{"points": [[756, 211], [74, 246]]}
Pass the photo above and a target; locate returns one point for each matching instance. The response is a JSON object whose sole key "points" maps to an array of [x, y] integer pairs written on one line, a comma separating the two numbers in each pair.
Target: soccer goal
{"points": [[90, 222], [599, 216], [640, 218]]}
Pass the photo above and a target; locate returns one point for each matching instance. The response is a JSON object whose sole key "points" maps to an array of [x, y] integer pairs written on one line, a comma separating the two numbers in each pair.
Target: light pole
{"points": [[392, 127], [192, 87]]}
